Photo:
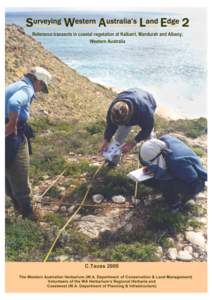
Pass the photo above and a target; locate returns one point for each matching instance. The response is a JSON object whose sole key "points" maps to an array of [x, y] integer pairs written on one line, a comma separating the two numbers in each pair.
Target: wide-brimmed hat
{"points": [[41, 74]]}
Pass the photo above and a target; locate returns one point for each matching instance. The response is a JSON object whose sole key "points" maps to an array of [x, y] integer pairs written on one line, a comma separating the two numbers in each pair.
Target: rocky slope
{"points": [[112, 225], [71, 96]]}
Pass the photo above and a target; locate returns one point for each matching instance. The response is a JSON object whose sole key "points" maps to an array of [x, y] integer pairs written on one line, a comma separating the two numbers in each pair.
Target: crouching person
{"points": [[18, 98], [131, 107], [178, 172]]}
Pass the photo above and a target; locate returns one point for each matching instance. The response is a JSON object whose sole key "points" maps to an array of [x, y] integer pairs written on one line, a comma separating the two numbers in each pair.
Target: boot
{"points": [[28, 212]]}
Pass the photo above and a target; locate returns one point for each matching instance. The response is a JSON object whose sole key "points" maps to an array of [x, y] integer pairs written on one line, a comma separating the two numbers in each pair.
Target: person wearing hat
{"points": [[131, 107], [178, 172], [18, 99]]}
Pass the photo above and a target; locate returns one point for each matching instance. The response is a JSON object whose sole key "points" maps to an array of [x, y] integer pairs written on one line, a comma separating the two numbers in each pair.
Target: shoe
{"points": [[30, 213]]}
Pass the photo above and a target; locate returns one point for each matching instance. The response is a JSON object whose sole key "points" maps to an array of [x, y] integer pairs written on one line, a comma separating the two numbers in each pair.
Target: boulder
{"points": [[196, 238], [98, 198], [189, 249], [184, 255], [172, 253], [62, 258], [128, 227], [63, 209], [55, 208], [119, 199], [159, 252], [71, 209], [190, 203]]}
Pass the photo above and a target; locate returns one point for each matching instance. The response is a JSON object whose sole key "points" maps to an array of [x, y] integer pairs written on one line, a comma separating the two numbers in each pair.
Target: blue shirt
{"points": [[144, 107], [18, 98], [182, 163]]}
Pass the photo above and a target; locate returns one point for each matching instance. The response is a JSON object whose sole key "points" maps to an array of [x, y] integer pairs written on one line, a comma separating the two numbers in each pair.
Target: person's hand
{"points": [[128, 147], [104, 146], [11, 126], [10, 129], [145, 170]]}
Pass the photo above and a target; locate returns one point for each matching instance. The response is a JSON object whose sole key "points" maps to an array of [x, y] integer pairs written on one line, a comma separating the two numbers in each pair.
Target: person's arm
{"points": [[110, 128], [14, 105], [11, 126], [147, 126], [109, 132]]}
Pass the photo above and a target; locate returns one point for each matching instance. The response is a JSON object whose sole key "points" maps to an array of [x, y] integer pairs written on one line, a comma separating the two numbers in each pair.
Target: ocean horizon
{"points": [[172, 68]]}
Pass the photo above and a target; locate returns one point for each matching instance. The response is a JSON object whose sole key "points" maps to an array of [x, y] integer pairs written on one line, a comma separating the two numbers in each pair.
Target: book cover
{"points": [[93, 228]]}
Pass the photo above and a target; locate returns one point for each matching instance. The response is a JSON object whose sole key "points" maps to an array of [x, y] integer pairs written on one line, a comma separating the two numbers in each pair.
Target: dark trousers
{"points": [[17, 180], [172, 189]]}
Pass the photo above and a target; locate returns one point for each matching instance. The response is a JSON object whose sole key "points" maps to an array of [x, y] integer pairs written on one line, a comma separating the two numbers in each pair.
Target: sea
{"points": [[169, 62]]}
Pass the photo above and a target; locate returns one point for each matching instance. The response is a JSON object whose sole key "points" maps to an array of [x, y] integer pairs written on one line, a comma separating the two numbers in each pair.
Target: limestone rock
{"points": [[55, 208], [95, 225], [190, 203], [71, 209], [172, 253], [196, 255], [44, 225], [63, 209], [189, 249], [202, 220], [61, 188], [128, 215], [62, 258], [202, 196], [195, 238], [119, 199], [128, 227], [159, 252], [184, 255], [98, 198], [76, 217]]}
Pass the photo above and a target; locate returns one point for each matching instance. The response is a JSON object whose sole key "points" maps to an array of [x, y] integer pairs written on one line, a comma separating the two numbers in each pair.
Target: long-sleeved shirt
{"points": [[182, 164], [144, 106], [18, 98]]}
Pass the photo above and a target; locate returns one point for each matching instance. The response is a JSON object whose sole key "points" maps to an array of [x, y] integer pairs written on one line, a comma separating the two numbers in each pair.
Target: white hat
{"points": [[151, 151], [43, 75]]}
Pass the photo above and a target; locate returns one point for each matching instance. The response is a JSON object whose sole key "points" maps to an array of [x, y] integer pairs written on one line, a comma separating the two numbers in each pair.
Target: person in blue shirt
{"points": [[177, 170], [131, 107], [18, 99]]}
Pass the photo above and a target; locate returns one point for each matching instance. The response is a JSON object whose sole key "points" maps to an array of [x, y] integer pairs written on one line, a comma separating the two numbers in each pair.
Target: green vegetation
{"points": [[129, 252], [192, 128], [55, 219], [199, 151], [166, 243], [160, 219], [61, 145], [25, 241], [198, 210], [97, 127]]}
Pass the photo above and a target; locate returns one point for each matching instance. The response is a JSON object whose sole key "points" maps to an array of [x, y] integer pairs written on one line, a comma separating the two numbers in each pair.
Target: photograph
{"points": [[106, 136]]}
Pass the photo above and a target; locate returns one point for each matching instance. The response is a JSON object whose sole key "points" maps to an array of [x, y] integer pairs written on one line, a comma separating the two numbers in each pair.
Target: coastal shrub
{"points": [[23, 240], [129, 252], [97, 127], [164, 220], [192, 128], [55, 219], [199, 151]]}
